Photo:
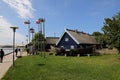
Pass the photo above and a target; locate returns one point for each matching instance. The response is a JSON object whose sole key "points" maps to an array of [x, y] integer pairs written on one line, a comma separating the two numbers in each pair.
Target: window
{"points": [[72, 46], [62, 46], [66, 39]]}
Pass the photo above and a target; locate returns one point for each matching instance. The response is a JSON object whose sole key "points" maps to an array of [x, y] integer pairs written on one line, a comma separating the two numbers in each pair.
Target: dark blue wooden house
{"points": [[73, 39]]}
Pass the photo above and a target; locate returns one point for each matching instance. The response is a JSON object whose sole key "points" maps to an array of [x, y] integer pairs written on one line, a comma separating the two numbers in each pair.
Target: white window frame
{"points": [[62, 46], [72, 47], [66, 39]]}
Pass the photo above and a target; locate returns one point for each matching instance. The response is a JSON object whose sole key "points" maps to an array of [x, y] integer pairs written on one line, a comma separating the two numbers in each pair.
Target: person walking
{"points": [[20, 52], [16, 51], [1, 55]]}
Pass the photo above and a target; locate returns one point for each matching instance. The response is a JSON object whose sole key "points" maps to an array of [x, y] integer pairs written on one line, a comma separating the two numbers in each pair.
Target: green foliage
{"points": [[106, 67], [111, 31], [99, 37], [38, 36], [111, 35], [38, 40], [75, 52], [60, 51]]}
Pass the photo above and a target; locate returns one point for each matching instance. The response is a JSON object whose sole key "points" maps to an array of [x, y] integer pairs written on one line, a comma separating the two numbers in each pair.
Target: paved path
{"points": [[7, 63]]}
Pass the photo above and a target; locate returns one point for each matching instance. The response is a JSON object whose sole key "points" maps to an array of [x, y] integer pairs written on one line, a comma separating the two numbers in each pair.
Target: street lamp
{"points": [[32, 31], [28, 23], [27, 39], [39, 30], [14, 29], [41, 21]]}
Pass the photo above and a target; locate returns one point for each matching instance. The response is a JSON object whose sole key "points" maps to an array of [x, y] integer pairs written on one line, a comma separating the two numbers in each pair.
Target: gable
{"points": [[66, 32], [66, 41]]}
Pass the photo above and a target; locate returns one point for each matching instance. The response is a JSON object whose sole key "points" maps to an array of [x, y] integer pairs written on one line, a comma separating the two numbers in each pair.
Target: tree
{"points": [[100, 38], [111, 31], [37, 41]]}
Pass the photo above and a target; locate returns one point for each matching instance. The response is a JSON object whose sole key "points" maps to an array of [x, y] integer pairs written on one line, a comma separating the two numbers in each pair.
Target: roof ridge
{"points": [[76, 30], [52, 37]]}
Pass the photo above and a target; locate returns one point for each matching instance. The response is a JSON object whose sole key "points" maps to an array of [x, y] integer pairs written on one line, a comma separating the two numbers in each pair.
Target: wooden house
{"points": [[74, 39]]}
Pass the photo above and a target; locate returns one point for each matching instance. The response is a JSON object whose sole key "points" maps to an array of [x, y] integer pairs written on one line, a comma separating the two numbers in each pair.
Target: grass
{"points": [[105, 67]]}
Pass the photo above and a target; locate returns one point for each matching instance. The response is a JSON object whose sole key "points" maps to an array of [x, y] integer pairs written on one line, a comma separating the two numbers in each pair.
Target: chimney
{"points": [[76, 30]]}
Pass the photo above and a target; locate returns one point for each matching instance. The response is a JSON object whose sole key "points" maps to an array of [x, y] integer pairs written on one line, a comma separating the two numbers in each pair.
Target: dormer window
{"points": [[66, 39]]}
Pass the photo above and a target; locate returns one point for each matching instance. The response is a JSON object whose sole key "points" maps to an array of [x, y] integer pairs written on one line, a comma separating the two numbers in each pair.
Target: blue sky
{"points": [[84, 15]]}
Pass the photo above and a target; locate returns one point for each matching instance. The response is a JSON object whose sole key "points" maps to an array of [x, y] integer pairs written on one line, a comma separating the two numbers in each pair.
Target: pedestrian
{"points": [[20, 52], [16, 51], [27, 50], [1, 55]]}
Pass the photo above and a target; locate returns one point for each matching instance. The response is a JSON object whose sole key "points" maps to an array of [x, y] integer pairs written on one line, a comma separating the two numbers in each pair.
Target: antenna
{"points": [[54, 34]]}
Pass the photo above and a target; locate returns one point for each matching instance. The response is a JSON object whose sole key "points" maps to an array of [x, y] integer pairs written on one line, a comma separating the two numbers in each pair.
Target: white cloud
{"points": [[22, 7], [6, 34]]}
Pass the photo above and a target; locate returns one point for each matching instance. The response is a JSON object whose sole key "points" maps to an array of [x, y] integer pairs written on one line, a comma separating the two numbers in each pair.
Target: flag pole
{"points": [[44, 36]]}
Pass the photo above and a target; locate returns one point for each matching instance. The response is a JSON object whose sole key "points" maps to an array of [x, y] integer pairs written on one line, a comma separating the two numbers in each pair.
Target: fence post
{"points": [[65, 54], [78, 55], [88, 55]]}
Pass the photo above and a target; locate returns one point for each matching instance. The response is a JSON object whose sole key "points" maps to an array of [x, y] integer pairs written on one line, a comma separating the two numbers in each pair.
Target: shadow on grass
{"points": [[40, 64]]}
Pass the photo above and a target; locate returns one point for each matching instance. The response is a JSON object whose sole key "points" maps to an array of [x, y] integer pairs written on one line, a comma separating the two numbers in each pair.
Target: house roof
{"points": [[79, 37], [51, 40]]}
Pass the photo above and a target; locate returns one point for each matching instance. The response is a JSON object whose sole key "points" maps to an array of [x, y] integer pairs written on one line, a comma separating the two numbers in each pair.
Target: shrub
{"points": [[60, 51], [110, 47], [73, 52]]}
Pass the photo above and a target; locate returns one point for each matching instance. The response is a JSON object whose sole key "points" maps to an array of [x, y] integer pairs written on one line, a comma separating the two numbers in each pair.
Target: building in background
{"points": [[51, 43]]}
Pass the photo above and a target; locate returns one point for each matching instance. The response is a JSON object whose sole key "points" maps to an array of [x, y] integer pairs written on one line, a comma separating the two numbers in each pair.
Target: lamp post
{"points": [[27, 39], [43, 20], [32, 31], [39, 30], [41, 24], [14, 29], [32, 46], [28, 23]]}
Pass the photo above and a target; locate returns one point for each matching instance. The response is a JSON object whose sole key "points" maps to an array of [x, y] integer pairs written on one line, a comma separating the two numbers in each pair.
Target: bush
{"points": [[51, 53], [57, 51], [110, 47], [60, 51], [74, 52]]}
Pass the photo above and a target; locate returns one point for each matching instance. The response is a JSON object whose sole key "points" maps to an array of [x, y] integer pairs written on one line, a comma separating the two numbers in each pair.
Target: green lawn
{"points": [[105, 67]]}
